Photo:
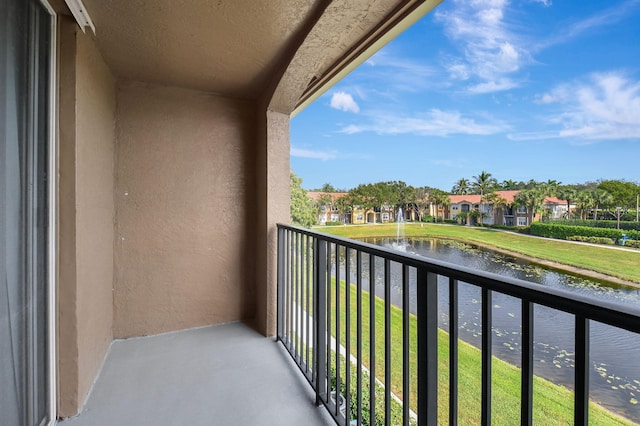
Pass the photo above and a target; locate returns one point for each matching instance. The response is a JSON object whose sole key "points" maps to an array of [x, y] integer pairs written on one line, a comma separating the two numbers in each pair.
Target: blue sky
{"points": [[532, 89]]}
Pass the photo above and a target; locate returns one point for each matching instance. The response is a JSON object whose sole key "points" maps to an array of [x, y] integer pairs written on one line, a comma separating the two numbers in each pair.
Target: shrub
{"points": [[563, 232], [632, 243], [510, 228], [601, 223], [594, 240], [396, 407], [333, 223]]}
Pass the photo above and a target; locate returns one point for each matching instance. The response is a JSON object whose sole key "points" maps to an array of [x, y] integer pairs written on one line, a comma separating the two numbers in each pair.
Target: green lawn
{"points": [[616, 263], [553, 404]]}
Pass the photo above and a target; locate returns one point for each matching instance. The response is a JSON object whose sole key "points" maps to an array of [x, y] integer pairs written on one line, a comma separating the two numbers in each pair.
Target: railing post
{"points": [[280, 289], [427, 347], [581, 402], [319, 315], [487, 306]]}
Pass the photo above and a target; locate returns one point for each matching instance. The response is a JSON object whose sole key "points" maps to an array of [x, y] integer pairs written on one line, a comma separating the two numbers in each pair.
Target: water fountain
{"points": [[401, 242]]}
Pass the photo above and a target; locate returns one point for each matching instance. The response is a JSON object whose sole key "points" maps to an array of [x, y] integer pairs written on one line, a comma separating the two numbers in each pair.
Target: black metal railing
{"points": [[340, 301]]}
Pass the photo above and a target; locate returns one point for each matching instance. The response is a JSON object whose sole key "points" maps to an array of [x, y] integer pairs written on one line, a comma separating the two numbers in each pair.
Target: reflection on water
{"points": [[615, 373]]}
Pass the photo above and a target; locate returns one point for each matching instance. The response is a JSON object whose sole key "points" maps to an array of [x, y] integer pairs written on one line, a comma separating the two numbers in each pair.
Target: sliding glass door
{"points": [[25, 119]]}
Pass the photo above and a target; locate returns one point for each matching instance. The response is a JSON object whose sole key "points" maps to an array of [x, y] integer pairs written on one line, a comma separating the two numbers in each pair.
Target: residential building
{"points": [[508, 214], [329, 212]]}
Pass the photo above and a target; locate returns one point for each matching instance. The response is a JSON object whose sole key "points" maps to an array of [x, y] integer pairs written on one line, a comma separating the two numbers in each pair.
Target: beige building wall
{"points": [[185, 210], [86, 211]]}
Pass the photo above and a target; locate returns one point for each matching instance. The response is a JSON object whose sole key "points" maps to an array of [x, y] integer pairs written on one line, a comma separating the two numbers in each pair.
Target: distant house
{"points": [[328, 212], [357, 215], [509, 214]]}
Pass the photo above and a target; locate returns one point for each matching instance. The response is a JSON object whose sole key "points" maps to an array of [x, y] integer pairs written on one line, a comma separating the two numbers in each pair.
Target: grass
{"points": [[553, 404], [616, 263]]}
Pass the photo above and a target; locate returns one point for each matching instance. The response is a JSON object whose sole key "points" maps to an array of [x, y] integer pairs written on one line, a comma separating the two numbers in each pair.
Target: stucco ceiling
{"points": [[232, 47], [229, 47]]}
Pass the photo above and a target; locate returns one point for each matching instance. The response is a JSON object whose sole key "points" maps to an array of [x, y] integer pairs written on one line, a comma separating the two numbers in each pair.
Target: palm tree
{"points": [[496, 201], [584, 202], [568, 194], [508, 184], [533, 200], [600, 198], [461, 187], [439, 198], [483, 183]]}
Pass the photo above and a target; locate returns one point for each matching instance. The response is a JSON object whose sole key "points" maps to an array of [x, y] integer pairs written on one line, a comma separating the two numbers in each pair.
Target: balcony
{"points": [[230, 374], [225, 374]]}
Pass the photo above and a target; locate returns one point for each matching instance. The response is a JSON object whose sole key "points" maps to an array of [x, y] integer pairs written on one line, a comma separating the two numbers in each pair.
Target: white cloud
{"points": [[491, 51], [605, 106], [306, 153], [602, 18], [545, 3], [344, 102], [432, 123]]}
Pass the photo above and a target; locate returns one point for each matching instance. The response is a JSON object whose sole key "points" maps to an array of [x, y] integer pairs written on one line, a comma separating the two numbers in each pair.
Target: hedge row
{"points": [[626, 225], [563, 232], [594, 240]]}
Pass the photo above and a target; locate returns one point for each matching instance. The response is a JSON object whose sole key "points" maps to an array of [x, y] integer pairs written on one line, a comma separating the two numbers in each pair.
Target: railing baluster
{"points": [[581, 415], [301, 307], [281, 284], [526, 381], [486, 356], [387, 341], [453, 352], [347, 302], [359, 332], [427, 347], [319, 313], [328, 316], [338, 340], [289, 289], [406, 373], [296, 294], [307, 313], [372, 340]]}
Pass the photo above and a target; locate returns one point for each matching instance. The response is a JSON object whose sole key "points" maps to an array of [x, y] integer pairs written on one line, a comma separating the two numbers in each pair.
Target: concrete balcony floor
{"points": [[220, 375]]}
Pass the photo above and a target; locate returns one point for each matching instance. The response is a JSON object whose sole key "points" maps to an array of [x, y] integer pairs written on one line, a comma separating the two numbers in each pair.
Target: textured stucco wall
{"points": [[185, 208], [86, 210], [274, 194]]}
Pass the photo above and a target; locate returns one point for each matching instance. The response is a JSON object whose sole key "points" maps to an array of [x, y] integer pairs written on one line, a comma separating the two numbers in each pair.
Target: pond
{"points": [[615, 367]]}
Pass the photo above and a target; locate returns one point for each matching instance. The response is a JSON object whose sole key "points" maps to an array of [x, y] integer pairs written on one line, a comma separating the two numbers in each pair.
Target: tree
{"points": [[569, 194], [601, 198], [496, 201], [623, 193], [302, 209], [533, 200], [509, 185], [322, 203], [439, 198], [483, 183], [461, 187], [584, 202], [327, 187], [344, 204]]}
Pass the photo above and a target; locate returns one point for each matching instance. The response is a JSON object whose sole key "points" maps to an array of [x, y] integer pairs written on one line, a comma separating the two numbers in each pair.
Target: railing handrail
{"points": [[621, 316]]}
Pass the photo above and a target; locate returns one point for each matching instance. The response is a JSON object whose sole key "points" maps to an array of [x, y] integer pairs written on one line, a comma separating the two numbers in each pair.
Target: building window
{"points": [[522, 221], [359, 217], [335, 218], [385, 216], [522, 209], [454, 208]]}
